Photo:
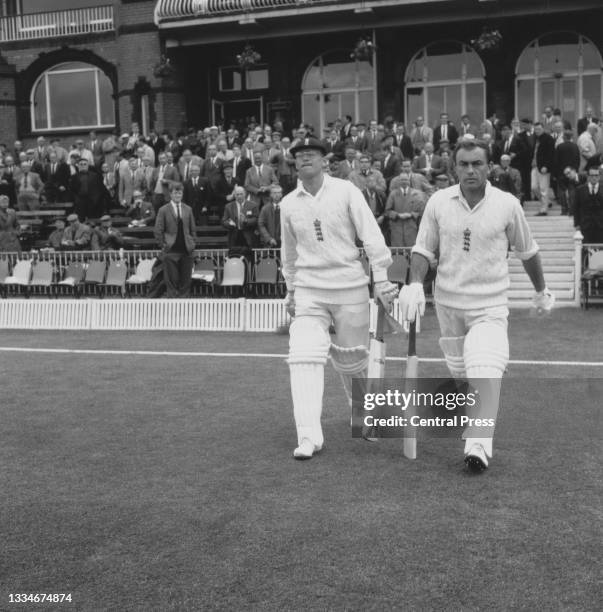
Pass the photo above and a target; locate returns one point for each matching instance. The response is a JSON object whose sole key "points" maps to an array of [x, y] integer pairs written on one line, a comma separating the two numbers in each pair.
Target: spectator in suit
{"points": [[359, 177], [105, 237], [111, 148], [428, 163], [212, 167], [269, 220], [524, 131], [258, 180], [197, 194], [7, 184], [376, 201], [156, 143], [542, 166], [41, 150], [29, 188], [587, 145], [95, 146], [56, 187], [511, 144], [141, 212], [567, 155], [241, 219], [356, 141], [572, 180], [147, 175], [588, 208], [404, 208], [420, 134], [224, 153], [466, 127], [346, 128], [403, 142], [350, 163], [9, 227], [109, 181], [584, 121], [445, 130], [333, 145], [374, 135], [129, 180], [505, 177], [175, 232], [77, 236], [223, 192], [547, 119], [84, 153], [163, 176], [185, 163], [417, 181], [55, 239], [240, 164], [90, 198], [34, 165], [285, 166], [391, 159]]}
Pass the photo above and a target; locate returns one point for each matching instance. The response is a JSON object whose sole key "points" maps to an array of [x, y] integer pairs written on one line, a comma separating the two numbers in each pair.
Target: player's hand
{"points": [[290, 303], [543, 301], [412, 301], [385, 292]]}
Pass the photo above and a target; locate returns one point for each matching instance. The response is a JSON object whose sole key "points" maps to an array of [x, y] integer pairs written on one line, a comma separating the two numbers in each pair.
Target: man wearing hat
{"points": [[327, 285], [106, 237], [223, 191], [90, 196], [141, 212], [77, 236], [55, 240]]}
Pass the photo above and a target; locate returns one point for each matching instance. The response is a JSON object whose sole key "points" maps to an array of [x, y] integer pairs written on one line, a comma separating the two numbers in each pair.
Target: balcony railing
{"points": [[54, 24]]}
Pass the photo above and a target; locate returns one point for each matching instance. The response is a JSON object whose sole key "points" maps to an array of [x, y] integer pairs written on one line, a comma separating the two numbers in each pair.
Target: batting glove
{"points": [[385, 292], [543, 301], [290, 303], [412, 301]]}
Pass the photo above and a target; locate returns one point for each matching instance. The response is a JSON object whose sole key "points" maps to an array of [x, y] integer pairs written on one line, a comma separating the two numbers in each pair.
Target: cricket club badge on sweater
{"points": [[466, 239], [318, 230]]}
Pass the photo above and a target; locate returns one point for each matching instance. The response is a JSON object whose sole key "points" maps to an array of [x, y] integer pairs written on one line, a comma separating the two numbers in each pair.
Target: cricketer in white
{"points": [[469, 228], [326, 284]]}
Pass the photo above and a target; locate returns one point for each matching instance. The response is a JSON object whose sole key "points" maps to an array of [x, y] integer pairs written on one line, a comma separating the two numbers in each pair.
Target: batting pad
{"points": [[452, 347], [307, 386], [308, 342], [486, 351], [351, 361]]}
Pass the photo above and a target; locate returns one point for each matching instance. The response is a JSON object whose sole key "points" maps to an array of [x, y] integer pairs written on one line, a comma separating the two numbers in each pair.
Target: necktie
{"points": [[179, 212], [195, 182], [444, 132], [54, 167]]}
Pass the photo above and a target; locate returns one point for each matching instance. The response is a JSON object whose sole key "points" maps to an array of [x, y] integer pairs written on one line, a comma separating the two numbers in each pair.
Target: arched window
{"points": [[445, 76], [562, 70], [73, 95], [335, 86]]}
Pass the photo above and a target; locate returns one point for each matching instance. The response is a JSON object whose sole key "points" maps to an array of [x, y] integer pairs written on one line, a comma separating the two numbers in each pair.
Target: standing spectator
{"points": [[62, 154], [584, 121], [106, 237], [240, 164], [359, 177], [523, 129], [258, 180], [445, 130], [77, 236], [110, 149], [542, 165], [156, 143], [586, 145], [108, 181], [588, 208], [185, 163], [223, 192], [7, 181], [417, 181], [90, 198], [428, 163], [95, 146], [212, 166], [506, 178], [41, 150], [35, 166], [29, 189], [241, 219], [9, 228], [129, 180], [567, 154], [391, 159], [56, 187], [404, 208], [420, 134], [466, 128], [269, 221], [376, 202], [572, 180], [350, 163], [163, 176], [355, 140], [84, 153], [403, 142], [141, 212], [175, 232], [197, 194]]}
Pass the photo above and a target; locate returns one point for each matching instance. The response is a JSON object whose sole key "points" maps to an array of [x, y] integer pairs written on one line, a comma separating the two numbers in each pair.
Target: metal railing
{"points": [[54, 24]]}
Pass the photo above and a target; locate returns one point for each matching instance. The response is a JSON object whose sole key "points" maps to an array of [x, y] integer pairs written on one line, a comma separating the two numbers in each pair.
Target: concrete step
{"points": [[518, 278], [528, 294]]}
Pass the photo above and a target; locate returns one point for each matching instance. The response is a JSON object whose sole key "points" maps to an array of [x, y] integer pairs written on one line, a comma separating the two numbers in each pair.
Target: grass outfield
{"points": [[138, 482]]}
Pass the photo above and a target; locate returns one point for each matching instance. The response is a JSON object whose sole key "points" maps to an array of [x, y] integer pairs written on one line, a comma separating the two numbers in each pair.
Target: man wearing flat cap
{"points": [[90, 196], [77, 236], [105, 237], [327, 285]]}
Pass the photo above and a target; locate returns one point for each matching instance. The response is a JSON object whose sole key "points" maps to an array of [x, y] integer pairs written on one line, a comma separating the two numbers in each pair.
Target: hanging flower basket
{"points": [[364, 50], [249, 58], [489, 40], [164, 68]]}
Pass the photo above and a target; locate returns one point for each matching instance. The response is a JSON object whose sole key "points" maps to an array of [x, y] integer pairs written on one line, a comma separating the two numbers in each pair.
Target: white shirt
{"points": [[473, 244], [318, 239], [177, 209]]}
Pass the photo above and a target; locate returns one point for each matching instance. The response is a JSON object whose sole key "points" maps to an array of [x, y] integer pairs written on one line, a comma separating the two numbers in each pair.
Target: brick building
{"points": [[172, 63]]}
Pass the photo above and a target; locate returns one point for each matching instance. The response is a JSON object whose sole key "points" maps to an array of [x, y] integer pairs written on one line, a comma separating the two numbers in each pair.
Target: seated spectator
{"points": [[417, 181], [106, 237], [404, 208], [359, 177], [572, 181], [108, 181], [141, 212], [29, 188], [241, 219], [9, 227], [350, 163], [55, 240], [77, 236], [427, 163], [505, 177], [269, 221]]}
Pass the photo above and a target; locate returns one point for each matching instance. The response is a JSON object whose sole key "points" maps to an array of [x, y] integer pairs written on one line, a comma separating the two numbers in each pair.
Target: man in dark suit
{"points": [[543, 161], [584, 121], [240, 164], [528, 140], [90, 196], [197, 192], [96, 147], [156, 143], [161, 179], [241, 219], [588, 208], [567, 155], [376, 200], [223, 191], [403, 142], [58, 176], [333, 145], [175, 232], [211, 168], [445, 130], [510, 144], [355, 140], [269, 222], [390, 159], [259, 179]]}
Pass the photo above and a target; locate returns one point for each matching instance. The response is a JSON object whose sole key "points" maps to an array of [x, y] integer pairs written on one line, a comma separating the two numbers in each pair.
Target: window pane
{"points": [[415, 70], [591, 93], [231, 79], [444, 67], [435, 105], [310, 110], [105, 94], [590, 57], [525, 65], [525, 99], [475, 69], [348, 104], [452, 103], [69, 66], [257, 79], [313, 78], [366, 108], [72, 99], [475, 103], [557, 58], [39, 101], [547, 94], [414, 104], [340, 75]]}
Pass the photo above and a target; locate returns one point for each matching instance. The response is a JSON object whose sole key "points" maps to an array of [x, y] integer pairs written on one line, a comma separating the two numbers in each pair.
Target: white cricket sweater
{"points": [[318, 233], [473, 245]]}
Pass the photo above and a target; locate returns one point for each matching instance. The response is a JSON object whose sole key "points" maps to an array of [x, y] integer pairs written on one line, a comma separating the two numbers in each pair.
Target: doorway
{"points": [[239, 113]]}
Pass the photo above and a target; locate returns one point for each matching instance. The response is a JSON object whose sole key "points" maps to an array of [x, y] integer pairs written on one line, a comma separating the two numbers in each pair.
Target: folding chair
{"points": [[95, 275], [4, 272], [204, 276], [266, 277], [18, 282], [592, 279], [398, 271], [233, 276], [72, 279], [41, 279], [116, 279], [139, 281]]}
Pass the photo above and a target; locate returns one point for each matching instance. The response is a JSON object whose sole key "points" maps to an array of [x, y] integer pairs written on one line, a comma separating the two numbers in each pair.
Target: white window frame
{"points": [[57, 70]]}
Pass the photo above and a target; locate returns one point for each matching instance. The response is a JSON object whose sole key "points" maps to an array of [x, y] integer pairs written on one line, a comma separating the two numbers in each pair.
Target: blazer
{"points": [[545, 154], [195, 159], [404, 143], [197, 197], [420, 165], [239, 169], [250, 212], [588, 210], [452, 135], [166, 227], [127, 185], [267, 225], [253, 182], [170, 175]]}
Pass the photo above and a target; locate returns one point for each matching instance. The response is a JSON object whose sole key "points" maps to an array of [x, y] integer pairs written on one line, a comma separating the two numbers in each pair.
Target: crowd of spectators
{"points": [[237, 178]]}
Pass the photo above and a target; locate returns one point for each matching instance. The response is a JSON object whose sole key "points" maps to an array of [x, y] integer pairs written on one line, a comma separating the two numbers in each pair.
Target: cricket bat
{"points": [[376, 363], [412, 372]]}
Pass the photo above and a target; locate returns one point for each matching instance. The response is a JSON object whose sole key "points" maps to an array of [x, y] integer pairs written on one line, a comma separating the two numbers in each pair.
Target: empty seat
{"points": [[592, 279], [266, 277], [73, 277], [18, 281], [233, 276], [41, 279], [115, 282]]}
